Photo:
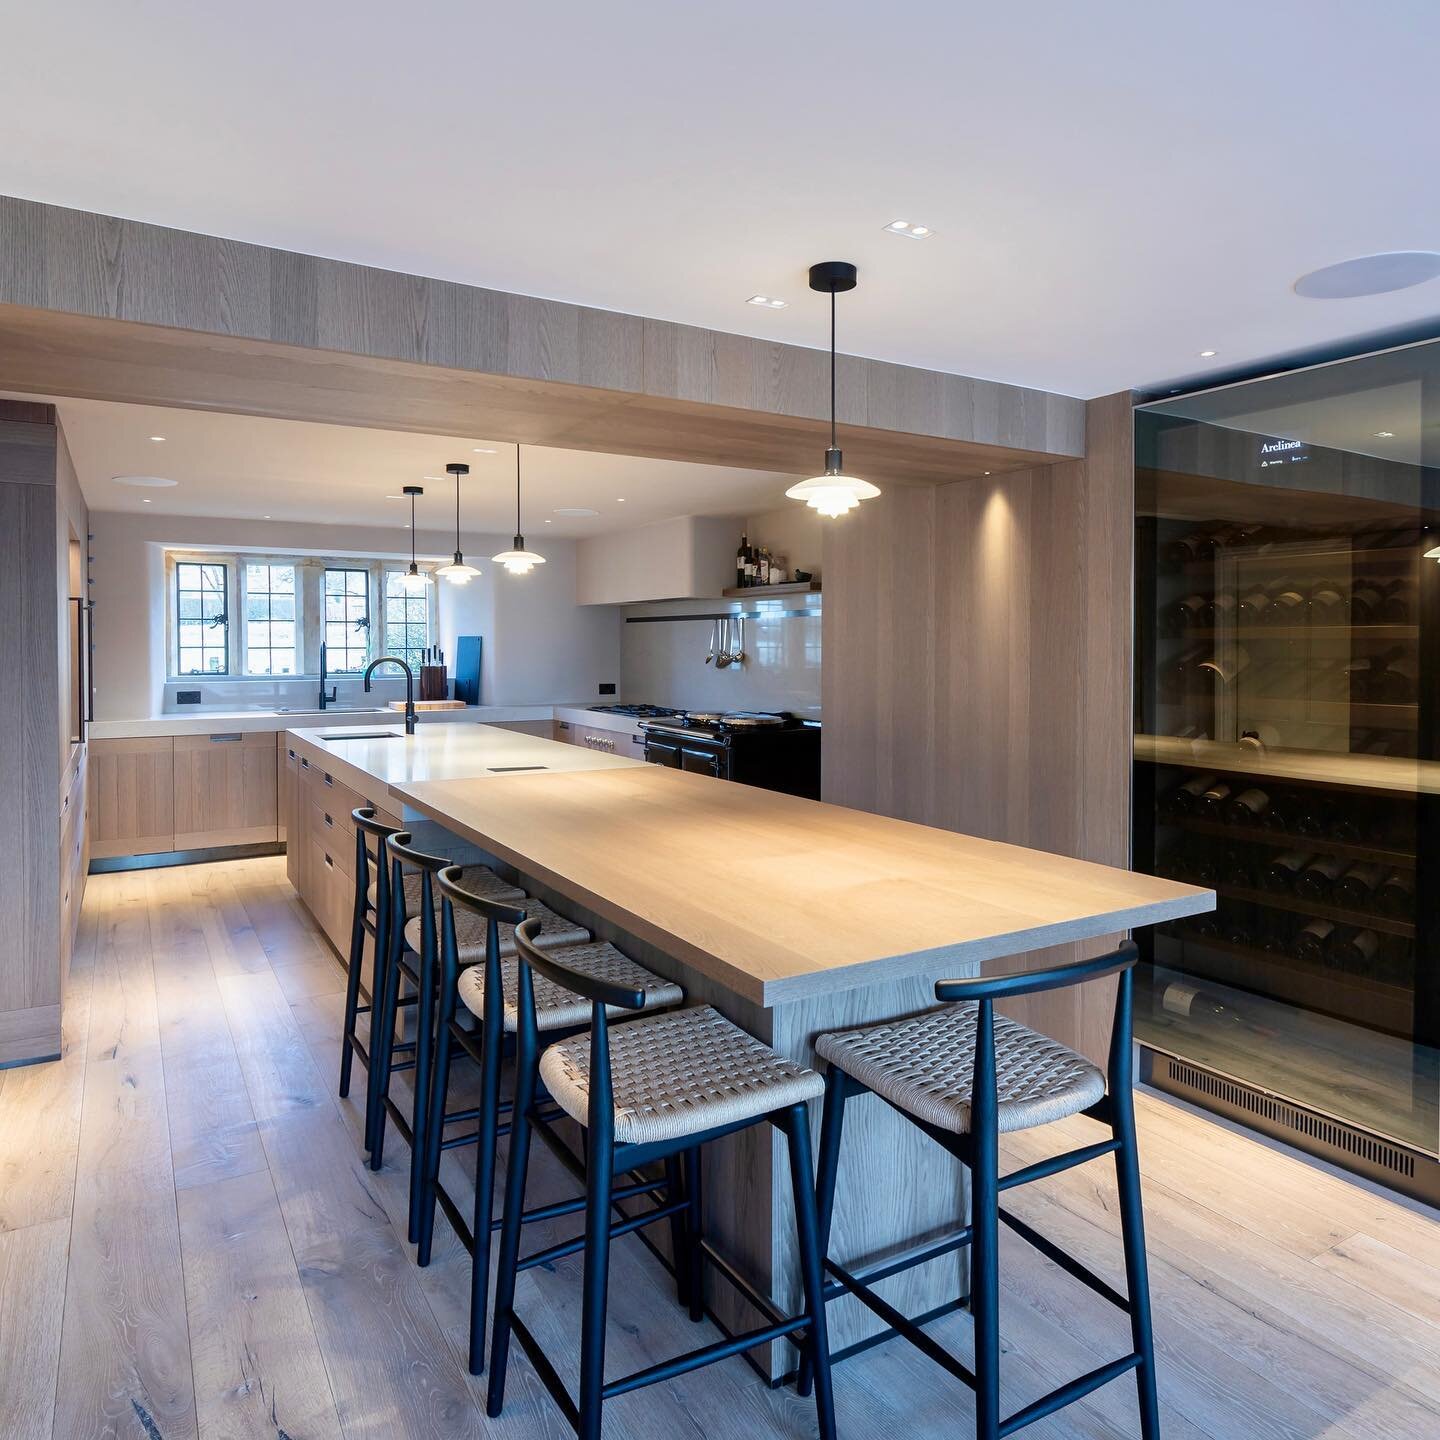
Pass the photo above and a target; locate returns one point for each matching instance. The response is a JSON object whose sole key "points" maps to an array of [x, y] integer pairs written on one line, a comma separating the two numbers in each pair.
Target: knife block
{"points": [[434, 682]]}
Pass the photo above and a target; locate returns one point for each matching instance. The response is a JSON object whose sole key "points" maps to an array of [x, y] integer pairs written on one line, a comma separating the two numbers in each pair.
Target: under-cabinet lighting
{"points": [[767, 302], [909, 230]]}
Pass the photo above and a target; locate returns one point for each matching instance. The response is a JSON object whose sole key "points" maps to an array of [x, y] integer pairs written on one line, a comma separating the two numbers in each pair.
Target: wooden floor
{"points": [[190, 1244]]}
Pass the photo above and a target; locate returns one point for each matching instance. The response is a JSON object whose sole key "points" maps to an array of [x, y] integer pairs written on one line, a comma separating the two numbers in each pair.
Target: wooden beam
{"points": [[115, 310]]}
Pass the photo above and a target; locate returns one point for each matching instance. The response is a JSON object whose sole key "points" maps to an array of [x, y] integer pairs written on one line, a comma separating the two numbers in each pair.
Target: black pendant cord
{"points": [[517, 494], [833, 444], [457, 513], [413, 566]]}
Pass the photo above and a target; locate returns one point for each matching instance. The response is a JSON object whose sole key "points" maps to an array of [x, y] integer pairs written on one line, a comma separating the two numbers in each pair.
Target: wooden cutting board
{"points": [[430, 705]]}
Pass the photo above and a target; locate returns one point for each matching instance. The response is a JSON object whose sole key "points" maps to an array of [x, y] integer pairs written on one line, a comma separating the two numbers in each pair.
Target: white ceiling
{"points": [[1114, 187], [244, 466]]}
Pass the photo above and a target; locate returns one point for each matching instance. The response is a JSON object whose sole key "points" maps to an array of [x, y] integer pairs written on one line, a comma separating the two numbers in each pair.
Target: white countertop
{"points": [[212, 722], [449, 752]]}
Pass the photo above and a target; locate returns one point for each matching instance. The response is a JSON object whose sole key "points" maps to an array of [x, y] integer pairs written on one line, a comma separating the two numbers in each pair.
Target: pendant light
{"points": [[518, 560], [414, 579], [457, 572], [834, 492]]}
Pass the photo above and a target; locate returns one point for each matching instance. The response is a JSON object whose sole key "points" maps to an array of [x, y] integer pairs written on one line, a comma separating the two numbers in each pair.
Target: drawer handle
{"points": [[329, 779], [225, 739], [329, 862], [290, 753], [304, 762], [330, 822]]}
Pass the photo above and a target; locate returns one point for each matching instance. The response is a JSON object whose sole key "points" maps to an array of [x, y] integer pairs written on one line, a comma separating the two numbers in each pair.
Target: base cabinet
{"points": [[132, 796], [225, 790]]}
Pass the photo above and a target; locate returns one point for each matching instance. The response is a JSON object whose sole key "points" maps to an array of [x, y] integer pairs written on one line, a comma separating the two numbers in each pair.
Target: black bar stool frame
{"points": [[979, 1150], [487, 1050], [605, 1159]]}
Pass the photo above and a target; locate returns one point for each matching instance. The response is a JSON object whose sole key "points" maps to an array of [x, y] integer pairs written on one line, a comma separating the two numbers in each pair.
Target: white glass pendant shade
{"points": [[414, 579], [517, 560], [833, 494], [457, 572]]}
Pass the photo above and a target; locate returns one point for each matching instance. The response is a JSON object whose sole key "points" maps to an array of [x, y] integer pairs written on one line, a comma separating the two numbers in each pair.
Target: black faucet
{"points": [[409, 687], [334, 689]]}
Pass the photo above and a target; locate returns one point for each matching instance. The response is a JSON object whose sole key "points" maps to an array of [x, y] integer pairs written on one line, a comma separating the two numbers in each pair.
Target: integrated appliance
{"points": [[775, 751]]}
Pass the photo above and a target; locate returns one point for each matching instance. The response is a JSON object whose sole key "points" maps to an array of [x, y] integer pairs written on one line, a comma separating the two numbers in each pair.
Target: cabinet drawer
{"points": [[329, 894], [333, 829]]}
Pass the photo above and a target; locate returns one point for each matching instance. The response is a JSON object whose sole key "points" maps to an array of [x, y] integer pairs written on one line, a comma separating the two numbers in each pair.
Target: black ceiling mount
{"points": [[833, 277], [456, 467], [413, 490]]}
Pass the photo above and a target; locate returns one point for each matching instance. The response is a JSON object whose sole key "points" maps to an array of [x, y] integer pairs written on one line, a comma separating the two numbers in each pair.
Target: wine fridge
{"points": [[1287, 754]]}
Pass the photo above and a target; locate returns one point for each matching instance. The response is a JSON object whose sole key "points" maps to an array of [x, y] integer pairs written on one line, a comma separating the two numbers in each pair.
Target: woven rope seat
{"points": [[678, 1074], [926, 1065], [557, 1008], [479, 879], [555, 930]]}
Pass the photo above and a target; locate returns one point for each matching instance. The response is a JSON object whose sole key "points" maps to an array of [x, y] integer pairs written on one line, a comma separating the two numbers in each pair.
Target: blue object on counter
{"points": [[467, 668]]}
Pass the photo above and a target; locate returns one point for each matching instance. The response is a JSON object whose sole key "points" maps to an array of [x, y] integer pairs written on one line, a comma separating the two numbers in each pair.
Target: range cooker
{"points": [[776, 751]]}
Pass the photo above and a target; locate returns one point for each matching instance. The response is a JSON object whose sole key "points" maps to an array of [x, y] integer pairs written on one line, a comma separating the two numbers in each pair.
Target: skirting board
{"points": [[162, 858]]}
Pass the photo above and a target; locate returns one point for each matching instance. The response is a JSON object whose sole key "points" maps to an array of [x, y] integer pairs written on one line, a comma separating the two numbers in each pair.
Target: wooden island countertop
{"points": [[778, 898]]}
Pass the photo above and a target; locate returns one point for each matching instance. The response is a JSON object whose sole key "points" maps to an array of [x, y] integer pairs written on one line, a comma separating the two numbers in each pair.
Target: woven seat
{"points": [[480, 879], [555, 930], [926, 1065], [679, 1074], [557, 1008]]}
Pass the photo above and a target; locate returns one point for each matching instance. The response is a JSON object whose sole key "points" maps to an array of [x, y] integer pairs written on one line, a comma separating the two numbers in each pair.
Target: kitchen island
{"points": [[789, 915]]}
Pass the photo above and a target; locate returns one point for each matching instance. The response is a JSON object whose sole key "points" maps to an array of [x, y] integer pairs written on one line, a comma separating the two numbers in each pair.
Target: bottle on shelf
{"points": [[1395, 894], [1248, 807], [1187, 1001], [1185, 614], [1393, 678], [1279, 814], [1367, 602], [1237, 868], [1236, 928], [742, 559], [1327, 603], [1317, 879], [1282, 871], [762, 569], [1312, 940], [1225, 668], [1353, 950], [1287, 602], [1210, 804], [1312, 813], [1220, 609], [1254, 603], [1183, 798], [1397, 608], [1356, 886]]}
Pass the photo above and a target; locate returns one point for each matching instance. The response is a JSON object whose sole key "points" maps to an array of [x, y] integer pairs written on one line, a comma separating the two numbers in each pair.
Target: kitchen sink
{"points": [[359, 735], [330, 710]]}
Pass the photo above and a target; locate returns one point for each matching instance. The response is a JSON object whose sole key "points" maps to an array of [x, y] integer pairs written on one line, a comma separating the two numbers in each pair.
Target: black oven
{"points": [[783, 756]]}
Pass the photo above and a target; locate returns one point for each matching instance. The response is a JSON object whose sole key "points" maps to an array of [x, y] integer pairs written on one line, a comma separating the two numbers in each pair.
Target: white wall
{"points": [[683, 556], [539, 645]]}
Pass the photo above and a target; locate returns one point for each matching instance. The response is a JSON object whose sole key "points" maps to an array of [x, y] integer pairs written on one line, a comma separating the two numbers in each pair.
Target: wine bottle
{"points": [[1203, 868], [1355, 889], [1366, 602], [1276, 938], [1181, 551], [1311, 815], [1353, 950], [1209, 804], [1327, 603], [1220, 609], [741, 555], [1278, 817], [1397, 608], [1238, 868], [1287, 603], [1186, 614], [1182, 799], [1395, 895], [1187, 1001], [1227, 668], [1281, 873], [1311, 941], [1253, 605], [1248, 807], [1393, 678], [1318, 878]]}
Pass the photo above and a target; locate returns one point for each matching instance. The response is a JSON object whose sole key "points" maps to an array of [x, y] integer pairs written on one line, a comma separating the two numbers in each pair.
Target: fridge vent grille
{"points": [[1316, 1128]]}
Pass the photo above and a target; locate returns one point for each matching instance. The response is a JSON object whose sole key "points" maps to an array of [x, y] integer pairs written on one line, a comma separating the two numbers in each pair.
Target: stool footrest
{"points": [[1056, 1163], [705, 1355], [624, 1227], [1068, 1264], [902, 1324], [1067, 1394]]}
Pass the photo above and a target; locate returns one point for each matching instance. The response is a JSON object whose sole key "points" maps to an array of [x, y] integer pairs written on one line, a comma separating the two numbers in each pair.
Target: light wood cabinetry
{"points": [[320, 841], [225, 790], [132, 796]]}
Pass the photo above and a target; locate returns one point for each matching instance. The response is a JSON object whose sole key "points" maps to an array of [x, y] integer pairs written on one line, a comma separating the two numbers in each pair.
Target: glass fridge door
{"points": [[1288, 732]]}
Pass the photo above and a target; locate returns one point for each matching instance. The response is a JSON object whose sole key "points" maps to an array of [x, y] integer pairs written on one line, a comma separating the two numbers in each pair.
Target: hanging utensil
{"points": [[737, 656], [722, 660], [714, 632]]}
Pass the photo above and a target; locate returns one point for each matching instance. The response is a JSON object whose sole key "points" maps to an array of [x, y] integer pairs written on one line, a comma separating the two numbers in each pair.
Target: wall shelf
{"points": [[759, 592]]}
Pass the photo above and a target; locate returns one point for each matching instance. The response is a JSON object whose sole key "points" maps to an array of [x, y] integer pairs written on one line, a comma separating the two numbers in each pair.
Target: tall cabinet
{"points": [[1287, 753], [44, 709]]}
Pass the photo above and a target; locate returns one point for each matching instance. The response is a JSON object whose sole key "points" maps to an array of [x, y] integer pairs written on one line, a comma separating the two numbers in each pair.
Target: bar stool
{"points": [[644, 1091], [410, 887], [556, 1011], [370, 916], [965, 1076]]}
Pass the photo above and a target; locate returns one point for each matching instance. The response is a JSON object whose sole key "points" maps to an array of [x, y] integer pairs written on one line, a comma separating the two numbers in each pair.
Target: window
{"points": [[407, 619], [347, 620], [202, 624], [269, 619]]}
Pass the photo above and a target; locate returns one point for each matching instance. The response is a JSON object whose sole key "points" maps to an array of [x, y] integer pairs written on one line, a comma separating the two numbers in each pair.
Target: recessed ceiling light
{"points": [[767, 302], [145, 482], [394, 497], [482, 450], [577, 511], [1384, 434], [264, 517], [157, 438], [1207, 354], [549, 522], [432, 477], [1369, 275], [144, 499], [909, 230], [619, 499]]}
